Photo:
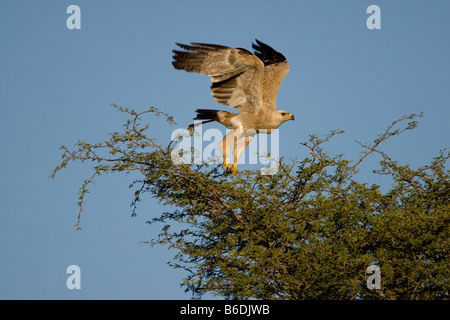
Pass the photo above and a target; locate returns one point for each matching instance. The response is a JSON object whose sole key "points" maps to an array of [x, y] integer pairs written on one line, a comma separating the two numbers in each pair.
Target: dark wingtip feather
{"points": [[266, 53]]}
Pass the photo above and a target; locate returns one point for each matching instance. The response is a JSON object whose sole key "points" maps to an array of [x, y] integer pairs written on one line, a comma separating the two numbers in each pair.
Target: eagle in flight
{"points": [[243, 80]]}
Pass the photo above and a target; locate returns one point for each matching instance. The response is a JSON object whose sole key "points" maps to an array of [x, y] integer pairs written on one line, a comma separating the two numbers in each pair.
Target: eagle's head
{"points": [[285, 116], [276, 118]]}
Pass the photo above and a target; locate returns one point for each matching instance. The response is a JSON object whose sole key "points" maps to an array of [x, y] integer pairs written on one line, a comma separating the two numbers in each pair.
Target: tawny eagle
{"points": [[243, 80]]}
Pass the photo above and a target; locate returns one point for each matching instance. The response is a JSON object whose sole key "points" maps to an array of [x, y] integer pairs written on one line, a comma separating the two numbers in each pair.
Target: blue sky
{"points": [[57, 85]]}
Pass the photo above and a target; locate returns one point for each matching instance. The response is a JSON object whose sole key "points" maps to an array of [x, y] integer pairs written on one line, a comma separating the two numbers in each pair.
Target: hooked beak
{"points": [[292, 117]]}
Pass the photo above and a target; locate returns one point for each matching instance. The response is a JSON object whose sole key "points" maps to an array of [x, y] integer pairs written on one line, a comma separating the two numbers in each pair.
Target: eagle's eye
{"points": [[283, 114]]}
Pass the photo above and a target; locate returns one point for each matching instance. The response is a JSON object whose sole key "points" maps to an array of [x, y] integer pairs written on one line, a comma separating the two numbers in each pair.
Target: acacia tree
{"points": [[308, 232]]}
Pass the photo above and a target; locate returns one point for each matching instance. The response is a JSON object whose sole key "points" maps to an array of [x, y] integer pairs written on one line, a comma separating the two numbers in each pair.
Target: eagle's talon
{"points": [[230, 167]]}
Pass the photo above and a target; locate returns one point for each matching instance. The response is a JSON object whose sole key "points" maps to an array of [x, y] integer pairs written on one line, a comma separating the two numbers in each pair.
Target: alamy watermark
{"points": [[74, 20], [74, 280], [207, 147], [374, 20], [374, 281]]}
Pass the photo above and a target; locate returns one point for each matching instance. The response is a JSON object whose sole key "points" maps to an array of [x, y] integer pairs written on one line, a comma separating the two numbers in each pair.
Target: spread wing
{"points": [[275, 69], [236, 74]]}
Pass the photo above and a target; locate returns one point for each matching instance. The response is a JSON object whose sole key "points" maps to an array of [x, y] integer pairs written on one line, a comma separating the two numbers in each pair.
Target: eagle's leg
{"points": [[225, 147], [236, 156], [230, 140], [239, 147]]}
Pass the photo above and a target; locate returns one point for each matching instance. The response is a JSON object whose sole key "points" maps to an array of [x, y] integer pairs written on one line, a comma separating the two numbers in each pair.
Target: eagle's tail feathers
{"points": [[206, 115]]}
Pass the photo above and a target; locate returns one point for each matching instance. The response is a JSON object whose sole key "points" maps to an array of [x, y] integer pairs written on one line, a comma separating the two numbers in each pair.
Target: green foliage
{"points": [[308, 232]]}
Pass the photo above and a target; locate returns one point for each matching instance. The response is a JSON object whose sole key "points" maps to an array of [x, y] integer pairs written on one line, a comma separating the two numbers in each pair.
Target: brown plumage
{"points": [[243, 80]]}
